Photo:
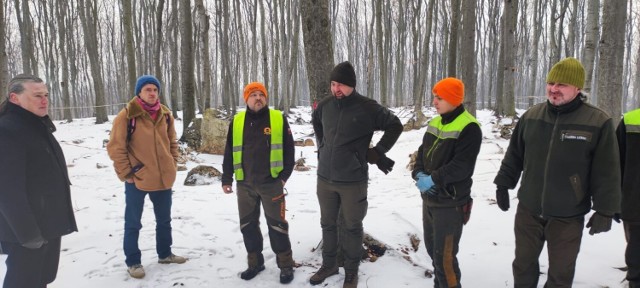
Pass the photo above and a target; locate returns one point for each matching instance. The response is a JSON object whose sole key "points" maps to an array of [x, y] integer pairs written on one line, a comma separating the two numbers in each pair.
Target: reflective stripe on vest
{"points": [[632, 121], [276, 157], [451, 130]]}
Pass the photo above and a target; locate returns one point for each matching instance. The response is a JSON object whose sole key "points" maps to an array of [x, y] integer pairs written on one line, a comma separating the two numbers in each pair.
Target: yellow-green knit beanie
{"points": [[568, 71]]}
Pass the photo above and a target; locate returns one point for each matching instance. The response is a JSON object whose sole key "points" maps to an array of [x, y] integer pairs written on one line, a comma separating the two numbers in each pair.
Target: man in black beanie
{"points": [[344, 125]]}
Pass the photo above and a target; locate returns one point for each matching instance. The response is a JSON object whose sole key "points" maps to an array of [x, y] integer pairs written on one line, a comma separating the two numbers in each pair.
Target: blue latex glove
{"points": [[424, 182]]}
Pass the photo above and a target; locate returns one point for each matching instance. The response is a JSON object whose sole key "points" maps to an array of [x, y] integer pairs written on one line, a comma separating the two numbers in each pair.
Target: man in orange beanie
{"points": [[261, 171], [446, 160]]}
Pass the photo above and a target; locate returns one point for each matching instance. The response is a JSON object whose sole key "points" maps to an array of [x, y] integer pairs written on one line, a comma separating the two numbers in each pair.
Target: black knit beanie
{"points": [[344, 73]]}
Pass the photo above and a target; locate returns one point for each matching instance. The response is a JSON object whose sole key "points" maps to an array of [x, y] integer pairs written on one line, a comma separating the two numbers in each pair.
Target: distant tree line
{"points": [[205, 51]]}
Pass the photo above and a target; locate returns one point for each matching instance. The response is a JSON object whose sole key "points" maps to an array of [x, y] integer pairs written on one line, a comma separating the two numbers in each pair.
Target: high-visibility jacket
{"points": [[628, 133], [448, 153], [276, 157]]}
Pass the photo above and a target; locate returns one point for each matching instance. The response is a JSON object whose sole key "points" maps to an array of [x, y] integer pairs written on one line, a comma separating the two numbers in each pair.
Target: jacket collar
{"points": [[32, 119], [450, 116], [346, 101], [135, 110], [259, 113], [566, 108]]}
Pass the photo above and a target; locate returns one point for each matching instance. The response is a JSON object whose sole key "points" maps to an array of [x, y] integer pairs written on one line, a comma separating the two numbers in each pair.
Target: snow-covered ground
{"points": [[206, 229]]}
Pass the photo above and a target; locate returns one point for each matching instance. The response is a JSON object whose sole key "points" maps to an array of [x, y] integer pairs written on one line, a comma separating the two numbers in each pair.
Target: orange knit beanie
{"points": [[451, 90], [254, 86]]}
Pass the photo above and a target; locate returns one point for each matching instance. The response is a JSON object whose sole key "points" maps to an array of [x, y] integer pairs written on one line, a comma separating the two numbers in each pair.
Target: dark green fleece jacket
{"points": [[568, 157]]}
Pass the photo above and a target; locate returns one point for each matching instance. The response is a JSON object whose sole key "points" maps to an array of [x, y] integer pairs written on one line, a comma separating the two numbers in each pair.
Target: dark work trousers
{"points": [[31, 267], [442, 231], [272, 198], [563, 237], [132, 222], [352, 198], [632, 253]]}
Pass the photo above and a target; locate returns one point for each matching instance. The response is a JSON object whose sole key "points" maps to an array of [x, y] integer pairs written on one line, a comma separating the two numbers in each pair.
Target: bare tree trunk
{"points": [[4, 61], [89, 19], [175, 67], [416, 31], [573, 23], [158, 43], [318, 47], [381, 55], [424, 61], [614, 16], [499, 44], [371, 63], [227, 94], [64, 61], [537, 30], [203, 18], [265, 51], [398, 89], [275, 38], [29, 63], [453, 38], [243, 53], [292, 66], [509, 43], [187, 66], [591, 42], [129, 44], [253, 24], [468, 52]]}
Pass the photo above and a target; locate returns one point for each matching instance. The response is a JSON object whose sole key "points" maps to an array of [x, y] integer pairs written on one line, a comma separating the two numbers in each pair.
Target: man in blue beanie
{"points": [[145, 171], [144, 80]]}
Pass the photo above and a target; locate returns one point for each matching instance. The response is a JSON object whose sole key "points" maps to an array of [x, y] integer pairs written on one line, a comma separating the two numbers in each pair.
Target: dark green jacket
{"points": [[448, 153], [629, 142], [568, 157], [344, 128]]}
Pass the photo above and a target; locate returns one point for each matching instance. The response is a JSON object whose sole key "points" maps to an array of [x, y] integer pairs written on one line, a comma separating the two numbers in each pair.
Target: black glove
{"points": [[502, 197], [373, 156], [599, 223], [385, 164]]}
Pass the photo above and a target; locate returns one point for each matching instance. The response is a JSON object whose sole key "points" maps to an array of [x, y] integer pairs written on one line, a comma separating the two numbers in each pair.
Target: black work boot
{"points": [[256, 265], [323, 273], [286, 263], [286, 275]]}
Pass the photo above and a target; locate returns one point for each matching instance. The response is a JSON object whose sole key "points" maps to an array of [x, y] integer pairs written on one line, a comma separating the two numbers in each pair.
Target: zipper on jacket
{"points": [[546, 164], [155, 138], [333, 145], [435, 144]]}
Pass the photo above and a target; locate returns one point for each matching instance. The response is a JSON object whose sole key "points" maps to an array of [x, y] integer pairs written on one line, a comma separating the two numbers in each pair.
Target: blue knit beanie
{"points": [[144, 80]]}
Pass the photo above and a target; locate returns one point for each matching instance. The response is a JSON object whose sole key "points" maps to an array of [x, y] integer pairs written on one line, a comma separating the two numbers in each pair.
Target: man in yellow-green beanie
{"points": [[569, 151]]}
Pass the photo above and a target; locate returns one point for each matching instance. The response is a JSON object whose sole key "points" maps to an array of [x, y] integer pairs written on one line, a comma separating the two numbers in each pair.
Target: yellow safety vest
{"points": [[632, 121], [276, 157], [451, 130]]}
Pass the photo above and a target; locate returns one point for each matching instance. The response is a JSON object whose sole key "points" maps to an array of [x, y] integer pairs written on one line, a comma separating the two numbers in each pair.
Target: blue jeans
{"points": [[133, 214]]}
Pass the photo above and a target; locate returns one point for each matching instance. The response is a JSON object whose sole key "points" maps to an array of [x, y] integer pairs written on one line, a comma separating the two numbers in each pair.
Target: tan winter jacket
{"points": [[152, 144]]}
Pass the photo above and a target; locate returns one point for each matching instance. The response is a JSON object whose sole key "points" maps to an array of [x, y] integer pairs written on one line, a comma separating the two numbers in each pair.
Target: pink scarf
{"points": [[151, 109]]}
